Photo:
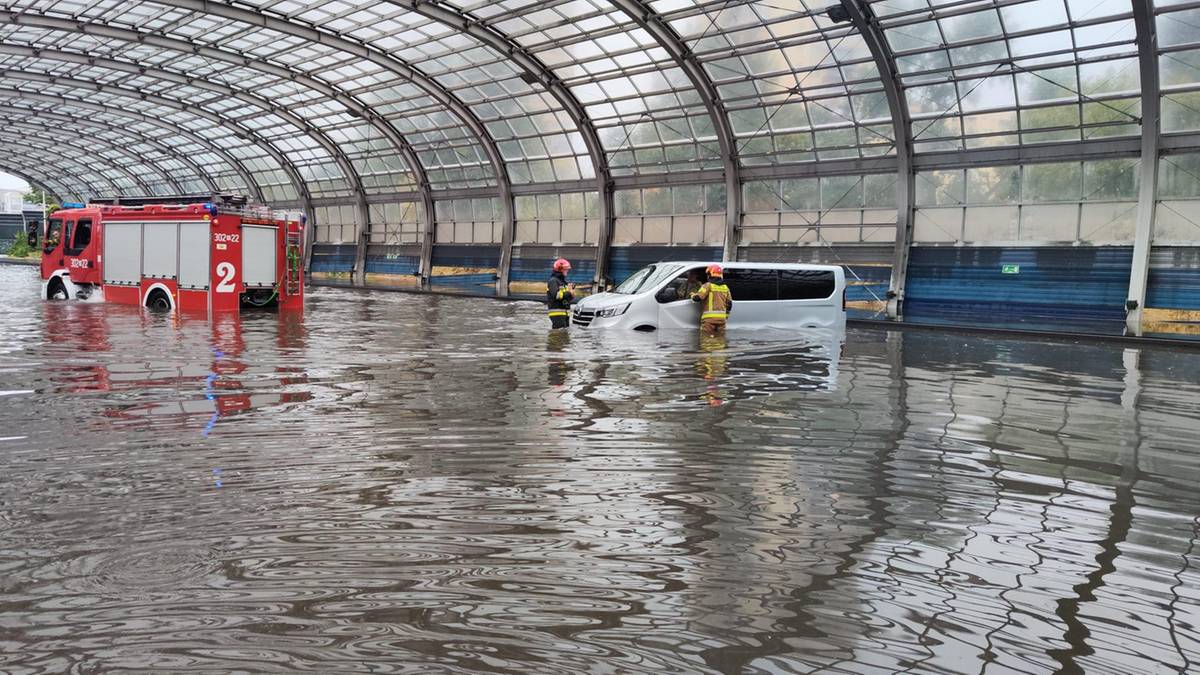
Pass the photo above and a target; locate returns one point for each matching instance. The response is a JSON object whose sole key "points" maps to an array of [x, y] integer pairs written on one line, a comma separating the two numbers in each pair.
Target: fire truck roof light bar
{"points": [[217, 200]]}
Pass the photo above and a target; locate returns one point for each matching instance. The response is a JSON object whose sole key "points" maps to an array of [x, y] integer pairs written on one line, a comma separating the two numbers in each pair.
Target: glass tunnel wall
{"points": [[975, 162]]}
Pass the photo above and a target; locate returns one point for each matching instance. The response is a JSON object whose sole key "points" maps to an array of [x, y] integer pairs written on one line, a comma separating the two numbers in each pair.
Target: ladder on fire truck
{"points": [[295, 254]]}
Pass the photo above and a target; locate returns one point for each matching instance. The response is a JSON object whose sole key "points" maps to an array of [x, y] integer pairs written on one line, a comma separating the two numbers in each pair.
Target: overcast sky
{"points": [[8, 182]]}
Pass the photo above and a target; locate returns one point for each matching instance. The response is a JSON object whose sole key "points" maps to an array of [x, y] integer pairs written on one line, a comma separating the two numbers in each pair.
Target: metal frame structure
{"points": [[885, 61], [94, 147], [66, 122], [355, 104], [646, 18], [1143, 16]]}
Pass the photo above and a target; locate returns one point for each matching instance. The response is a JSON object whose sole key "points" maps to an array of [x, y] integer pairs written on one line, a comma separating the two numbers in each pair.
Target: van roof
{"points": [[753, 265]]}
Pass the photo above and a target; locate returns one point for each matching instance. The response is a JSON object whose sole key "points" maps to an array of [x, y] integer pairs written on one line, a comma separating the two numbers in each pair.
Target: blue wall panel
{"points": [[538, 269], [466, 255], [477, 264], [400, 260], [874, 279], [383, 264], [531, 263], [625, 260], [1174, 278], [332, 258], [1055, 284]]}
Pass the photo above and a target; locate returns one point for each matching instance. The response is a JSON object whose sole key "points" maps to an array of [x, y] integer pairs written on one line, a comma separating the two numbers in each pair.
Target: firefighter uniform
{"points": [[715, 301], [558, 300]]}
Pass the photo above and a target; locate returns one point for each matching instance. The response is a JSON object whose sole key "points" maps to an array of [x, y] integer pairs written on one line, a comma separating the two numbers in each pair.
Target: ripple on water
{"points": [[413, 484]]}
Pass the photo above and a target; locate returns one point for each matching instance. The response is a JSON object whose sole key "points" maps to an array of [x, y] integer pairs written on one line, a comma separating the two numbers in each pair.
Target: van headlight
{"points": [[615, 310]]}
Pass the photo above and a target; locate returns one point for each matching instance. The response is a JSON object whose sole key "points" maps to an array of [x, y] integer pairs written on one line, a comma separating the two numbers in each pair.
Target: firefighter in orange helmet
{"points": [[716, 302], [559, 295]]}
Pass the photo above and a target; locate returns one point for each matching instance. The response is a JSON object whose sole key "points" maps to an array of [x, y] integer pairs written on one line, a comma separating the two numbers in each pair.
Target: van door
{"points": [[810, 297], [676, 312], [755, 294]]}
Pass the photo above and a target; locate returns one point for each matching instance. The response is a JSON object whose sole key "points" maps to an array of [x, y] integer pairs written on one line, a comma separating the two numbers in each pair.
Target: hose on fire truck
{"points": [[293, 265]]}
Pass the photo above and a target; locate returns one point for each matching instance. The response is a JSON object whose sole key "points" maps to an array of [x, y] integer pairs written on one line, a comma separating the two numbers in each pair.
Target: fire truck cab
{"points": [[206, 255]]}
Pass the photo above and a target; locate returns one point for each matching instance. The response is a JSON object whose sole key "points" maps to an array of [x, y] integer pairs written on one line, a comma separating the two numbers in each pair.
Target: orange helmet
{"points": [[715, 271], [562, 265]]}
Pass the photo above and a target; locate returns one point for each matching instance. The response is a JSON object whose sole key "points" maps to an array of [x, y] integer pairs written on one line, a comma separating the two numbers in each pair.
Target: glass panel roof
{"points": [[341, 95], [797, 86], [982, 74]]}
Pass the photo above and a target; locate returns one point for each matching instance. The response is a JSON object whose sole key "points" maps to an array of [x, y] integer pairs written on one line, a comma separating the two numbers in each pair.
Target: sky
{"points": [[9, 182]]}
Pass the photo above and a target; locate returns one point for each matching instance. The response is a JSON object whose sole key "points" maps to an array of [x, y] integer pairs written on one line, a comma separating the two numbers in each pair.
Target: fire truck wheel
{"points": [[158, 301], [56, 290]]}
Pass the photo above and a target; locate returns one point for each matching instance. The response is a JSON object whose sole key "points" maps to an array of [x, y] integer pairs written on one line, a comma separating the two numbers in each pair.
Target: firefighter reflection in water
{"points": [[557, 367], [559, 295], [712, 366], [716, 302]]}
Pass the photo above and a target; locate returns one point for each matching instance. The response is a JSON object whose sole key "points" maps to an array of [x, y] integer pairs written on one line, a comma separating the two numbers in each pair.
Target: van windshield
{"points": [[646, 278]]}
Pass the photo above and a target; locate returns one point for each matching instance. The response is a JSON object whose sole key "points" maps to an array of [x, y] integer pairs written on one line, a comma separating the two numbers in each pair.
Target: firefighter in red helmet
{"points": [[559, 295], [716, 301]]}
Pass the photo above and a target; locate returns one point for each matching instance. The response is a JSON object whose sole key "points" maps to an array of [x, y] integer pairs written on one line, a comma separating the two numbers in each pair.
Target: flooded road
{"points": [[404, 483]]}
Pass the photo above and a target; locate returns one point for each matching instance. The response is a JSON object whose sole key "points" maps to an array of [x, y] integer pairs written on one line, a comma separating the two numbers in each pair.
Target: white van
{"points": [[776, 295]]}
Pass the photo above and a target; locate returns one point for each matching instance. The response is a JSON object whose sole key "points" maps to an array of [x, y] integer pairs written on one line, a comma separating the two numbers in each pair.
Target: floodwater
{"points": [[406, 483]]}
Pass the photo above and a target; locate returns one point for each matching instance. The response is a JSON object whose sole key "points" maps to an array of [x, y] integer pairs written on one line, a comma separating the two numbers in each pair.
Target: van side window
{"points": [[83, 236], [806, 284], [751, 284]]}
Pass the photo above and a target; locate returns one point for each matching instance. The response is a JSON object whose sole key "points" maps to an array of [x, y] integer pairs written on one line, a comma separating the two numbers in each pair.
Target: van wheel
{"points": [[56, 290], [158, 301]]}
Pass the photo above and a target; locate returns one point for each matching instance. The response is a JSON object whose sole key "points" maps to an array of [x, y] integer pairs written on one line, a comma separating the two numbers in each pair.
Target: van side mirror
{"points": [[668, 293]]}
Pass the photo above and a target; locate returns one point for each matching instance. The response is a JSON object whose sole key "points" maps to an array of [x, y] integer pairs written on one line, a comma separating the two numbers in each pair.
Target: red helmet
{"points": [[715, 271], [562, 265]]}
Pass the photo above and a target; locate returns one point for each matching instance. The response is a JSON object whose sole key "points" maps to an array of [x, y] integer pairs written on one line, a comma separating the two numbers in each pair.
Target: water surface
{"points": [[407, 483]]}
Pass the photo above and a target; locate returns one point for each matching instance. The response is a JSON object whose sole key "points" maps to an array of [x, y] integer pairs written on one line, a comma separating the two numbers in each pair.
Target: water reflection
{"points": [[420, 483]]}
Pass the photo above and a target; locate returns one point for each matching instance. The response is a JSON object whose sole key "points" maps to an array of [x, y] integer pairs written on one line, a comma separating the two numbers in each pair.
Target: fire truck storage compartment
{"points": [[123, 253], [160, 250], [258, 255], [193, 264]]}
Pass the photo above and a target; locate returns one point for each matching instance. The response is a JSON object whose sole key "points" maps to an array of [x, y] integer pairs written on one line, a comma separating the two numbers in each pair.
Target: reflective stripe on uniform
{"points": [[561, 291], [714, 315], [558, 312]]}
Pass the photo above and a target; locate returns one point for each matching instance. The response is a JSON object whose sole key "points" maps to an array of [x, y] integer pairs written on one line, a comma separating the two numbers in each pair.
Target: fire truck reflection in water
{"points": [[201, 395], [207, 253]]}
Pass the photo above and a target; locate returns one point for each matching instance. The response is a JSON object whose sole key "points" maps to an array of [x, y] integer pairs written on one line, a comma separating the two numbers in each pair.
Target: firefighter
{"points": [[691, 285], [716, 302], [559, 295]]}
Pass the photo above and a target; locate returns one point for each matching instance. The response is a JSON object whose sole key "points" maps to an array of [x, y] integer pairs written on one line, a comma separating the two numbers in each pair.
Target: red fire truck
{"points": [[194, 254]]}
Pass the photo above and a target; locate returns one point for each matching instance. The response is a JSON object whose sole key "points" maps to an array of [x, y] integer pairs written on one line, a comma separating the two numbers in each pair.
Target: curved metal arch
{"points": [[217, 120], [889, 75], [362, 213], [198, 173], [1143, 238], [38, 20], [117, 65], [35, 178], [41, 133], [62, 163], [398, 141], [233, 162], [399, 67], [649, 20], [481, 31], [51, 141]]}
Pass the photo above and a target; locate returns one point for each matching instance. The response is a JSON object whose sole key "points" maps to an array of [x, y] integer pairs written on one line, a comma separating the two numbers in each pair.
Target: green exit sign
{"points": [[1010, 269]]}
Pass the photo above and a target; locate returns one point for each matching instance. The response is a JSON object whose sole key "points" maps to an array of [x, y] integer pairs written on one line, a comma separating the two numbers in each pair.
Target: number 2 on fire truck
{"points": [[226, 271]]}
